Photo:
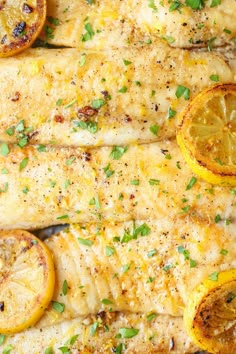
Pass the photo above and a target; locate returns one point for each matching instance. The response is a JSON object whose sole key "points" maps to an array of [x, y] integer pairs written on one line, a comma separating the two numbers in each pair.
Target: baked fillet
{"points": [[163, 334], [43, 186], [144, 266], [118, 23], [77, 98]]}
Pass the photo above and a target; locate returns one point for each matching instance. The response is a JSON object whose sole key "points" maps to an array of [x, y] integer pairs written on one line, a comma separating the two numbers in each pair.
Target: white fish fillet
{"points": [[118, 23], [163, 334], [48, 88], [40, 189], [152, 270]]}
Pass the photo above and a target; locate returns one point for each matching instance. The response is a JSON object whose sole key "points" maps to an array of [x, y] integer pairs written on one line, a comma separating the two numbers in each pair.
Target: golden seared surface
{"points": [[92, 98]]}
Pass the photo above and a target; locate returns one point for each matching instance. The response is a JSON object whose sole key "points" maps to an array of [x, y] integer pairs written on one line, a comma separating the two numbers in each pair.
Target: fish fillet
{"points": [[119, 23], [54, 93], [41, 188], [148, 267], [162, 334]]}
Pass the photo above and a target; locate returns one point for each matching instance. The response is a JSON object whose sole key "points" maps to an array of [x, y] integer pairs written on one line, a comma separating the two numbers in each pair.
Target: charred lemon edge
{"points": [[190, 154], [15, 47], [196, 297], [46, 294]]}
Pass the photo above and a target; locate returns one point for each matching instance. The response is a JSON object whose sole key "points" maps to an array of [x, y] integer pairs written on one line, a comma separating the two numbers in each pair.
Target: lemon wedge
{"points": [[20, 24], [27, 280], [210, 315], [206, 134]]}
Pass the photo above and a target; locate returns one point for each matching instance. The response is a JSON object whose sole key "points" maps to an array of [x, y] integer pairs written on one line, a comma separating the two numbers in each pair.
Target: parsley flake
{"points": [[182, 91], [213, 276], [58, 306], [117, 152], [128, 332]]}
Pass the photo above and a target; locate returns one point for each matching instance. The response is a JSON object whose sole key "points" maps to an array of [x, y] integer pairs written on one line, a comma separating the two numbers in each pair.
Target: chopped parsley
{"points": [[127, 62], [123, 89], [23, 163], [64, 349], [171, 113], [184, 252], [135, 182], [7, 349], [117, 152], [210, 44], [192, 182], [151, 316], [169, 39], [71, 103], [195, 4], [217, 218], [106, 302], [108, 172], [93, 328], [92, 127], [25, 190], [128, 332], [2, 338], [41, 148], [72, 340], [64, 287], [59, 102], [109, 251], [4, 149], [98, 103], [125, 268], [85, 242], [4, 171], [182, 91], [154, 182], [83, 58], [5, 188], [227, 31], [152, 5], [154, 129], [58, 306], [89, 32], [215, 3], [63, 217], [192, 263], [152, 253], [213, 276], [214, 78], [175, 5], [70, 160]]}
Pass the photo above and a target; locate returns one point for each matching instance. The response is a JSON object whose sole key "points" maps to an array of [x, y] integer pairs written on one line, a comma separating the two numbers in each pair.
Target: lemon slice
{"points": [[206, 134], [26, 280], [20, 23], [210, 315]]}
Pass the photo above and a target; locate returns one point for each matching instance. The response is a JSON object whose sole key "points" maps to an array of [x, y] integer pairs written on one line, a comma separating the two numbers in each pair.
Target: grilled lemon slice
{"points": [[20, 23], [210, 316], [207, 134], [26, 280]]}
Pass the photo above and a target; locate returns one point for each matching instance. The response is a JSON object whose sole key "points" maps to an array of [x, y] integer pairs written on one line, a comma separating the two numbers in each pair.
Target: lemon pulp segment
{"points": [[27, 280], [206, 134]]}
